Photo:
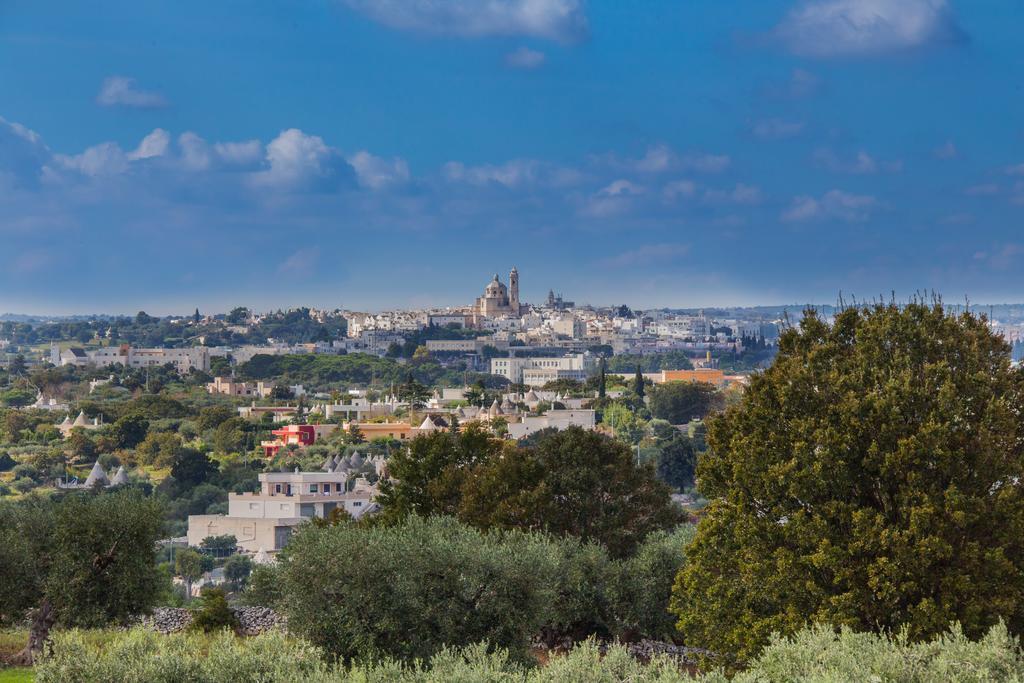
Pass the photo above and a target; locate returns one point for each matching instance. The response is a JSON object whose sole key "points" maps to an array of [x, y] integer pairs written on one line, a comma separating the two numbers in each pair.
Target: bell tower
{"points": [[513, 290]]}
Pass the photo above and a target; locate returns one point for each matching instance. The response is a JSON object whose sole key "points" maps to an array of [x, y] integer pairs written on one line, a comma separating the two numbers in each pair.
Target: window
{"points": [[312, 488], [277, 488], [357, 504]]}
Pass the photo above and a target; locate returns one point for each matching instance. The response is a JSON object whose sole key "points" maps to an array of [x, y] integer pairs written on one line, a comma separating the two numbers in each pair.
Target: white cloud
{"points": [[376, 173], [195, 153], [296, 160], [741, 194], [239, 153], [862, 163], [300, 263], [525, 58], [119, 91], [985, 190], [614, 198], [104, 159], [562, 20], [1017, 193], [647, 254], [705, 163], [153, 145], [777, 129], [657, 159], [852, 28], [834, 204], [22, 153], [661, 158], [946, 151], [803, 83], [621, 188], [679, 188], [511, 174], [1017, 169]]}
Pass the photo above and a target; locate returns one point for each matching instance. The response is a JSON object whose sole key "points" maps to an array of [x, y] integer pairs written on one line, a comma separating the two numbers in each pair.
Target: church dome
{"points": [[495, 288]]}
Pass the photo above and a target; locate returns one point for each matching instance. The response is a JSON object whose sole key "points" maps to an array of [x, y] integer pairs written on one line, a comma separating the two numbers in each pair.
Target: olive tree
{"points": [[83, 559]]}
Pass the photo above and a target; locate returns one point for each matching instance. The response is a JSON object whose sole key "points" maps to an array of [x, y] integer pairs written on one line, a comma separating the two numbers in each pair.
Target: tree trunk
{"points": [[39, 634]]}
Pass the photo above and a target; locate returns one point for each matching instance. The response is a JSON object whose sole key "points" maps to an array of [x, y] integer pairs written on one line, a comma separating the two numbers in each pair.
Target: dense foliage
{"points": [[816, 655], [84, 560], [406, 590], [573, 482], [680, 402], [873, 477]]}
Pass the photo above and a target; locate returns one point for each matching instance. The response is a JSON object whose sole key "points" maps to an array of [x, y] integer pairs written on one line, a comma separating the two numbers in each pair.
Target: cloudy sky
{"points": [[374, 153]]}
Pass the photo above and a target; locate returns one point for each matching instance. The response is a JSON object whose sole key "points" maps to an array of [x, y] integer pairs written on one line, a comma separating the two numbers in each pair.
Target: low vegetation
{"points": [[813, 655]]}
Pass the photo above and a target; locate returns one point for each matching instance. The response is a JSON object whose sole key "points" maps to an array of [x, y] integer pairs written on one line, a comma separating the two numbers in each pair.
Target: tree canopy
{"points": [[574, 482], [83, 560], [871, 477]]}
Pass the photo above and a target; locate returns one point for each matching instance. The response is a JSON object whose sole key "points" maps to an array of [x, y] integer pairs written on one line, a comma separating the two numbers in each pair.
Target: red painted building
{"points": [[299, 435]]}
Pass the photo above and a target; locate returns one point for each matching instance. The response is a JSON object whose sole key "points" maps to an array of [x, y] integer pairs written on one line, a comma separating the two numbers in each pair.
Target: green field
{"points": [[16, 675]]}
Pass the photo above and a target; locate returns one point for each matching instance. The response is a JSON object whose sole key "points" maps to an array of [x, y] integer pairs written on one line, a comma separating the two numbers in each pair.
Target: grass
{"points": [[17, 675]]}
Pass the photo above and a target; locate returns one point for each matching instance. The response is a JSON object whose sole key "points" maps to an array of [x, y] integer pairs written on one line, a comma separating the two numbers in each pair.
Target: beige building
{"points": [[499, 300], [197, 357], [265, 520], [228, 387], [536, 372], [559, 419]]}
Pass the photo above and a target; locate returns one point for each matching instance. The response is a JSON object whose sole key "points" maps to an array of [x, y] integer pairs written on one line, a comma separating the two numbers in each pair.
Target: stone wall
{"points": [[253, 620]]}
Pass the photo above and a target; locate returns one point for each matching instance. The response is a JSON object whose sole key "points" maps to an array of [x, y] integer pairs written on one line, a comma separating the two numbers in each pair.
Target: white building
{"points": [[265, 520], [197, 357], [537, 372], [559, 419]]}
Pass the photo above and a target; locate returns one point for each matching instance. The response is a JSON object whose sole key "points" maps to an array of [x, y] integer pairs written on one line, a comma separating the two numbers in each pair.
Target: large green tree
{"points": [[680, 402], [873, 477], [80, 560], [574, 482], [427, 477], [407, 591]]}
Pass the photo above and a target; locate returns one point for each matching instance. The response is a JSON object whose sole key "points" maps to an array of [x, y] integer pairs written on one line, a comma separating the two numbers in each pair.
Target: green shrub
{"points": [[264, 587], [408, 590], [214, 614], [641, 589], [813, 655]]}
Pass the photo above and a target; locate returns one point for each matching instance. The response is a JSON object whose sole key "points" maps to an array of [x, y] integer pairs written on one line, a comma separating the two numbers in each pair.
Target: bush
{"points": [[264, 587], [6, 462], [23, 485], [25, 471], [814, 655], [407, 591], [214, 614], [140, 655], [641, 589]]}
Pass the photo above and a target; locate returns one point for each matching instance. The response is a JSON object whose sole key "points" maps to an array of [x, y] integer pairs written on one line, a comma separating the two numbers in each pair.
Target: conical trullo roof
{"points": [[120, 478], [328, 465], [97, 475], [428, 425], [356, 460], [67, 422], [80, 420]]}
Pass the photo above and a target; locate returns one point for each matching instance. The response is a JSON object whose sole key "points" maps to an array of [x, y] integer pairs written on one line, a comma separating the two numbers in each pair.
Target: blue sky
{"points": [[376, 153]]}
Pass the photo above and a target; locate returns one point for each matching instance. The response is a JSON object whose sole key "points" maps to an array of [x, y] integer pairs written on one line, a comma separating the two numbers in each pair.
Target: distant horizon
{"points": [[788, 306]]}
